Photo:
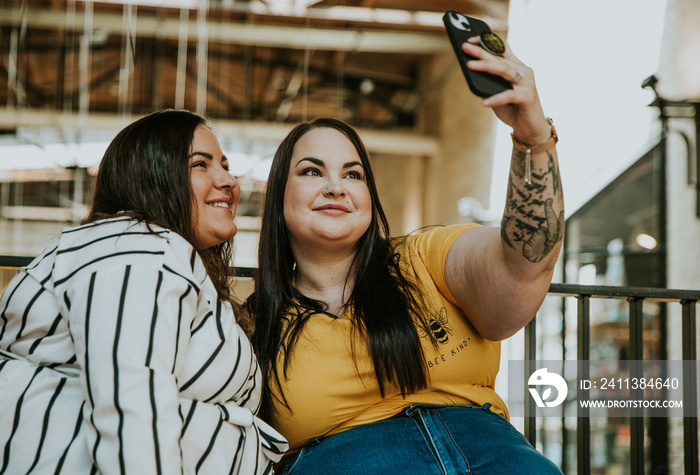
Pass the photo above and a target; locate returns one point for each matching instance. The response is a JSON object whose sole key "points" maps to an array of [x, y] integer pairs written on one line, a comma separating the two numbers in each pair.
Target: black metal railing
{"points": [[635, 296], [15, 262]]}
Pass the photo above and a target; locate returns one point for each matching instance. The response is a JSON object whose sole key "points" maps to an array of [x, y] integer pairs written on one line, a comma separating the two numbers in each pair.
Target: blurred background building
{"points": [[620, 77]]}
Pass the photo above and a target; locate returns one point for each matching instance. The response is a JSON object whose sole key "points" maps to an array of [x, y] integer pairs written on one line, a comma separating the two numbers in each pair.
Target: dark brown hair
{"points": [[144, 174], [384, 302]]}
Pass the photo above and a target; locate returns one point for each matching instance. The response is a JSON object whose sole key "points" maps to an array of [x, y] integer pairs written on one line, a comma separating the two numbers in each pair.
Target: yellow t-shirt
{"points": [[328, 392]]}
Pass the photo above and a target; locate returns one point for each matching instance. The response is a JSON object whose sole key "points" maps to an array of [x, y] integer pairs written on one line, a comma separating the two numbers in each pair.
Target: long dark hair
{"points": [[144, 174], [384, 301]]}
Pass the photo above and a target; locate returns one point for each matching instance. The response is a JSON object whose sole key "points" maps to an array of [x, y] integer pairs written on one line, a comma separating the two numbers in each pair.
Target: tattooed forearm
{"points": [[533, 219]]}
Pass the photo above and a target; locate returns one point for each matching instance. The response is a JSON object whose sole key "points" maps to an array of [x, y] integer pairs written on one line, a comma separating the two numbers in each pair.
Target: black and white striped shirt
{"points": [[116, 356]]}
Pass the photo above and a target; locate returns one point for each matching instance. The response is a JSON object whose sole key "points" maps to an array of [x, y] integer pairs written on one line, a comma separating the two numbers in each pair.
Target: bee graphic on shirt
{"points": [[438, 327]]}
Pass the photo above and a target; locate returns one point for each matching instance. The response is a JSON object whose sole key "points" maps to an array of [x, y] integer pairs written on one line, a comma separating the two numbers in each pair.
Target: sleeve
{"points": [[129, 325], [235, 440], [431, 249], [132, 327]]}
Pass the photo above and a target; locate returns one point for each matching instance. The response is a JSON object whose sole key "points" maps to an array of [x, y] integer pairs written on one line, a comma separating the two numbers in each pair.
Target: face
{"points": [[326, 201], [215, 191]]}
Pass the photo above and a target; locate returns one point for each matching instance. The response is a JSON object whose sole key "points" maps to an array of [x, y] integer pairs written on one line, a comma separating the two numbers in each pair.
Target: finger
{"points": [[509, 68], [511, 71], [519, 74], [506, 98], [523, 98], [472, 48]]}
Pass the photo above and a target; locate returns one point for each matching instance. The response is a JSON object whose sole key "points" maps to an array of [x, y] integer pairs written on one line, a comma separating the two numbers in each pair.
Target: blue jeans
{"points": [[425, 439]]}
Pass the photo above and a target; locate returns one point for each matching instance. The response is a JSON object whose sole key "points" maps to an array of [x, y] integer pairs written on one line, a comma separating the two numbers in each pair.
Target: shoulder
{"points": [[430, 243], [423, 255], [120, 242]]}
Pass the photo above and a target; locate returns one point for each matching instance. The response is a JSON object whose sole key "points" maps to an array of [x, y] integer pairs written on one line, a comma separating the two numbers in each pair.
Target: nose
{"points": [[225, 180], [334, 188]]}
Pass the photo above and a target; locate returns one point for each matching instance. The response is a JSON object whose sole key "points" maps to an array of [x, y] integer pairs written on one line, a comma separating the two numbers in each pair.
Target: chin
{"points": [[218, 238], [229, 235]]}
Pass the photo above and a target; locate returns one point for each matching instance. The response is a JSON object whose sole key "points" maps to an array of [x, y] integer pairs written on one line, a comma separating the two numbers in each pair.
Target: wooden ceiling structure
{"points": [[254, 65]]}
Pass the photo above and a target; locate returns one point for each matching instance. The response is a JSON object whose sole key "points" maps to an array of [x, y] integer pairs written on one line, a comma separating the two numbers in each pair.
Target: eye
{"points": [[225, 166], [311, 172], [198, 163], [355, 175]]}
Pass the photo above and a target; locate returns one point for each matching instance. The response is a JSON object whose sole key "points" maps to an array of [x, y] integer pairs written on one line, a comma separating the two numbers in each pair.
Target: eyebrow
{"points": [[208, 156], [321, 163]]}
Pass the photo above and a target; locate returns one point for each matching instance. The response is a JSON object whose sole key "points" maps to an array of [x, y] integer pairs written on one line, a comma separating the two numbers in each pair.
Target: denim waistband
{"points": [[423, 438]]}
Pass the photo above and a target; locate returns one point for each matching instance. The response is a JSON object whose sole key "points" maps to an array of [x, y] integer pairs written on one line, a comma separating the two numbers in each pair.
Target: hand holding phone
{"points": [[460, 28]]}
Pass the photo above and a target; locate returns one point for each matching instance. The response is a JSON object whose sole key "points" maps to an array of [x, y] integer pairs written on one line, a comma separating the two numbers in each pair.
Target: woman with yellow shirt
{"points": [[380, 354]]}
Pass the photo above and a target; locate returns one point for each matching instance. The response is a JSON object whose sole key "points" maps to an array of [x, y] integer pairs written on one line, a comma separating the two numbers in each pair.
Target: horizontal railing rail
{"points": [[11, 262], [652, 294], [15, 262], [635, 297]]}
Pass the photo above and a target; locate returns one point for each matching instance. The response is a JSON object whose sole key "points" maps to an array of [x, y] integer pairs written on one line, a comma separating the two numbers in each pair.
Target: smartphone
{"points": [[460, 28]]}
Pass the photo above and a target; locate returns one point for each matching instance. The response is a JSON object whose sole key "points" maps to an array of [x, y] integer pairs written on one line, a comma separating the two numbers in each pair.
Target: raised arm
{"points": [[500, 276]]}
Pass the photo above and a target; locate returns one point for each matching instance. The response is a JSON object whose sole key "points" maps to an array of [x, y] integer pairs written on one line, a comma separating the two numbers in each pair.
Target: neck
{"points": [[325, 279]]}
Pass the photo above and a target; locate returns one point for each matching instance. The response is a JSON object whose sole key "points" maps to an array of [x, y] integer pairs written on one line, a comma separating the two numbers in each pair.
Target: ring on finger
{"points": [[519, 74]]}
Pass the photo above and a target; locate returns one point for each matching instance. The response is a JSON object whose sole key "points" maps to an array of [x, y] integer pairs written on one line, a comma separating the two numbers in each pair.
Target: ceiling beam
{"points": [[394, 142], [236, 33], [44, 213], [493, 13], [37, 175]]}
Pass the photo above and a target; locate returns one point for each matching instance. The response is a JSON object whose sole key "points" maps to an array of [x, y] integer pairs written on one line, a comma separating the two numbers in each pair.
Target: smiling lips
{"points": [[333, 208], [219, 204]]}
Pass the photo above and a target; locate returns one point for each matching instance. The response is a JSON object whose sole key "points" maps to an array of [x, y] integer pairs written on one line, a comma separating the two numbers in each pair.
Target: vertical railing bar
{"points": [[584, 327], [690, 397], [636, 354], [530, 424], [583, 422], [636, 322], [564, 431]]}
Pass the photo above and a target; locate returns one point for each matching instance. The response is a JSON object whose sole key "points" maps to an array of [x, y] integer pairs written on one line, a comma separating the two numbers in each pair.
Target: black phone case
{"points": [[459, 29]]}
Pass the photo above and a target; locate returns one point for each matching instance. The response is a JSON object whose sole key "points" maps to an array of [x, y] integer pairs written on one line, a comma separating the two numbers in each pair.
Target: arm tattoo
{"points": [[530, 219]]}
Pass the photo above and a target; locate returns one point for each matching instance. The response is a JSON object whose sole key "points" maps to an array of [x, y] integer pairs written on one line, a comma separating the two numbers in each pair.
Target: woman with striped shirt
{"points": [[119, 348]]}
